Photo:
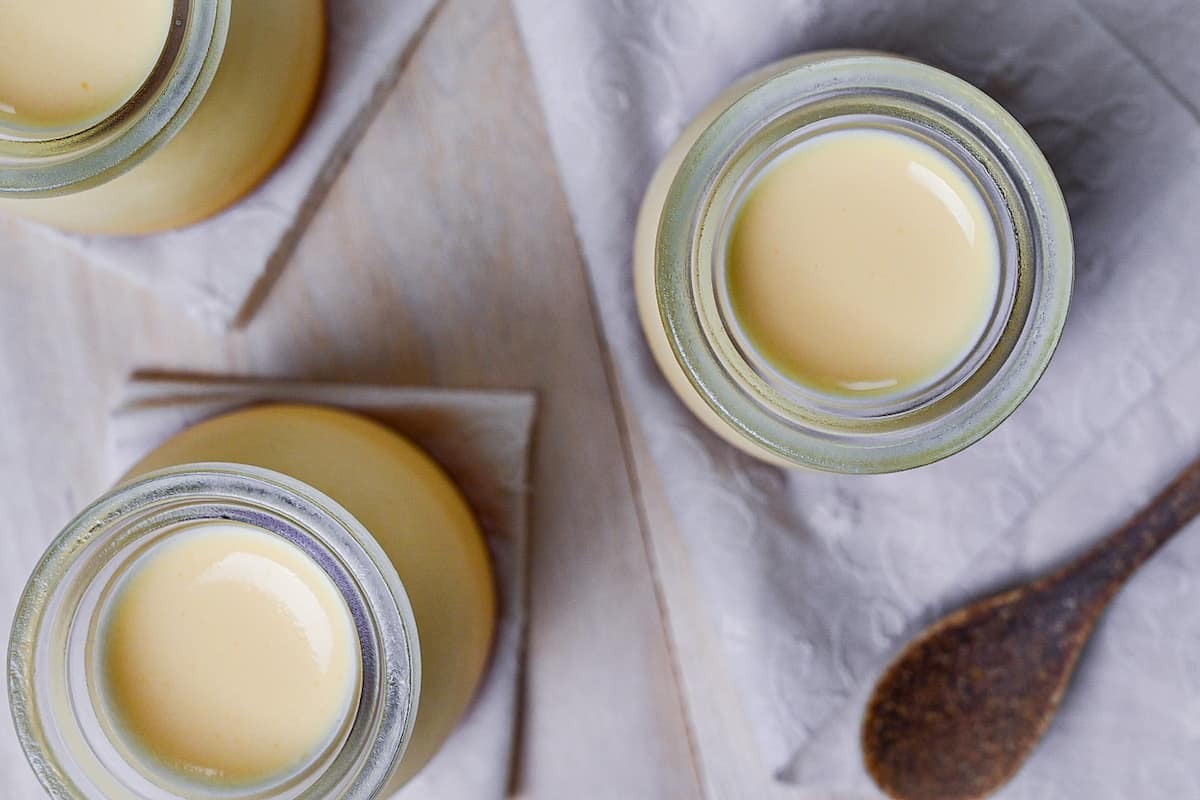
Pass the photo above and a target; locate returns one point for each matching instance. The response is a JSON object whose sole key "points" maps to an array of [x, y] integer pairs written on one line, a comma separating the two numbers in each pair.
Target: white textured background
{"points": [[812, 580]]}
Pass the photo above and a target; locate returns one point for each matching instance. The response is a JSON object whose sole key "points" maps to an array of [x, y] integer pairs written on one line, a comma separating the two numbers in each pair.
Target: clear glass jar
{"points": [[411, 508], [228, 96], [53, 682], [679, 262], [375, 483]]}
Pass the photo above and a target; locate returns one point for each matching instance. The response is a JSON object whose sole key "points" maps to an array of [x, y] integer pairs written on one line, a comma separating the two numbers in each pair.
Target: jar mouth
{"points": [[872, 431], [877, 401], [68, 736], [162, 530], [41, 162]]}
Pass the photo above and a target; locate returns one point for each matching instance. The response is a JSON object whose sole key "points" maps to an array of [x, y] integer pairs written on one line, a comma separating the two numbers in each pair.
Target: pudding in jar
{"points": [[226, 656], [861, 261], [137, 116], [852, 262], [59, 69], [412, 510], [283, 601]]}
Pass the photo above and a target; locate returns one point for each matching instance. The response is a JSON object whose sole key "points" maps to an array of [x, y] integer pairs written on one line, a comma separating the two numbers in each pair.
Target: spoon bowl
{"points": [[961, 708]]}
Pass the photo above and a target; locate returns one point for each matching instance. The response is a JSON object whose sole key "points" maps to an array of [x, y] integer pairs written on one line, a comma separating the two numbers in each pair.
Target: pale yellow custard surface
{"points": [[863, 260], [259, 100], [65, 64], [409, 505], [228, 656]]}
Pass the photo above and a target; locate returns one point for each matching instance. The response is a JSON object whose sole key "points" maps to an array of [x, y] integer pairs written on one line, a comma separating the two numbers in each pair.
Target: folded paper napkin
{"points": [[215, 268], [816, 579], [480, 438]]}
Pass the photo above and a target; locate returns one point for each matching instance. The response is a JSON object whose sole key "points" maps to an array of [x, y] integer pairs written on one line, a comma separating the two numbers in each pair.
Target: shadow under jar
{"points": [[318, 504], [136, 116], [687, 276]]}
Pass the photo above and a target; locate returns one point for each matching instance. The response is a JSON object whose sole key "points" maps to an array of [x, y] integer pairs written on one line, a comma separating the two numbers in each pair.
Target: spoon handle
{"points": [[1101, 572]]}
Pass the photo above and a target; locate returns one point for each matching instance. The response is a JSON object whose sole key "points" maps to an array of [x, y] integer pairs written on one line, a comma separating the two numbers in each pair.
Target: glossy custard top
{"points": [[863, 260]]}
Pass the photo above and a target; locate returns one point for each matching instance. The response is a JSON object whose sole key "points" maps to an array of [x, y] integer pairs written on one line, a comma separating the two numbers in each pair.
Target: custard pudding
{"points": [[852, 262], [228, 656], [226, 137], [59, 68], [862, 261], [410, 507]]}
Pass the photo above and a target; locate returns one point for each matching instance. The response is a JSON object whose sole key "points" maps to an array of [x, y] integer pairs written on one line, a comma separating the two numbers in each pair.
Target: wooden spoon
{"points": [[963, 705]]}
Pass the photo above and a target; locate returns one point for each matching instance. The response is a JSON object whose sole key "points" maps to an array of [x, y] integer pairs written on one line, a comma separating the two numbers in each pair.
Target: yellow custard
{"points": [[59, 68], [261, 96], [228, 655], [863, 260], [409, 505]]}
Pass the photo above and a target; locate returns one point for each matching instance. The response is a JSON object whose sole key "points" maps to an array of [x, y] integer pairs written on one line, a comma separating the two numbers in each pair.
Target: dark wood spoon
{"points": [[963, 706]]}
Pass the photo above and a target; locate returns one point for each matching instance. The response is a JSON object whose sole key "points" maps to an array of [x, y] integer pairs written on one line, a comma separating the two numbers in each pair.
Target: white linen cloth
{"points": [[482, 439], [815, 580], [217, 269]]}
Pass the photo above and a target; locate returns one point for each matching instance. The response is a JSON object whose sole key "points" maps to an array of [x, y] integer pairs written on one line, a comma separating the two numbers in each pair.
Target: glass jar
{"points": [[53, 682], [417, 521], [227, 98], [680, 264]]}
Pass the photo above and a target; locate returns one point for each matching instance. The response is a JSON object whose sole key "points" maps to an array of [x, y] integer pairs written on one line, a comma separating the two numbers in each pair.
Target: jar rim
{"points": [[691, 220], [391, 675], [129, 134]]}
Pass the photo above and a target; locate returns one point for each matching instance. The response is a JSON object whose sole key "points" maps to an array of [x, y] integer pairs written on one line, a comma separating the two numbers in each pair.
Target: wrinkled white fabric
{"points": [[814, 580]]}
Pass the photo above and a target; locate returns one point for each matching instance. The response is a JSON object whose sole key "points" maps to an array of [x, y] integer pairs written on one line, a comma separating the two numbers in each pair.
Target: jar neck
{"points": [[41, 163], [63, 728], [868, 433]]}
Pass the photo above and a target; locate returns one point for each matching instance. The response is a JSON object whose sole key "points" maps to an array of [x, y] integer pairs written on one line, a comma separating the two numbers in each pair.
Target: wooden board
{"points": [[443, 256]]}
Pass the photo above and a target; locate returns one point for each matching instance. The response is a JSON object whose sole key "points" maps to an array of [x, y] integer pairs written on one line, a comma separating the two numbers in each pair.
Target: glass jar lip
{"points": [[687, 219], [386, 713], [73, 161]]}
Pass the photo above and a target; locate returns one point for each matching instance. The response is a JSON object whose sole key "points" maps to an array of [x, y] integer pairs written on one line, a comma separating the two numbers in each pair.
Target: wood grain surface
{"points": [[443, 256]]}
